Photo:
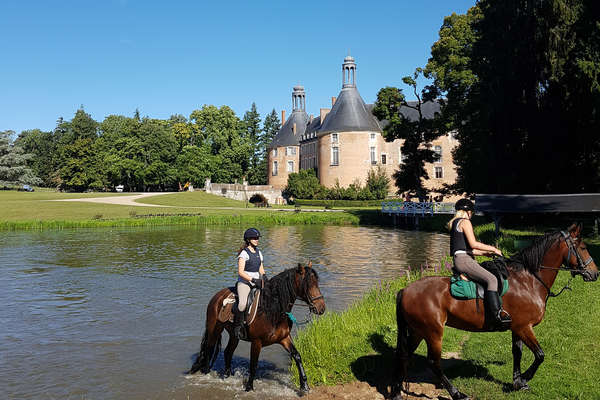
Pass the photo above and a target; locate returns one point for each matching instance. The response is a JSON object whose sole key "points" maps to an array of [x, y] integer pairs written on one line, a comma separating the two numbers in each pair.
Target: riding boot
{"points": [[238, 320], [497, 317]]}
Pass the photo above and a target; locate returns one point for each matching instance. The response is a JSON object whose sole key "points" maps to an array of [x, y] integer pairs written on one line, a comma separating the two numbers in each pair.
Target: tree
{"points": [[521, 77], [40, 145], [378, 183], [253, 133], [302, 185], [221, 131], [417, 134], [13, 163]]}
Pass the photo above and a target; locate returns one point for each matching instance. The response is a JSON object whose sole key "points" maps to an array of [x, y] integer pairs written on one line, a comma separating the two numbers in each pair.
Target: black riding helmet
{"points": [[251, 233], [464, 204]]}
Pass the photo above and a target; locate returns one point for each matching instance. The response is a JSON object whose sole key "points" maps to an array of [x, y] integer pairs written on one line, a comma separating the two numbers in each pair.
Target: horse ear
{"points": [[309, 264], [300, 268], [575, 229]]}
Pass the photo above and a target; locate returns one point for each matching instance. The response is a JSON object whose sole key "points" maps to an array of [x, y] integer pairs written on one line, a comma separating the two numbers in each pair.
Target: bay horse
{"points": [[271, 324], [425, 306]]}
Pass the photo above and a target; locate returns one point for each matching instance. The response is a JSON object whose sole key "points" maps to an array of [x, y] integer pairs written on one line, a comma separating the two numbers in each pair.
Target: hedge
{"points": [[338, 203]]}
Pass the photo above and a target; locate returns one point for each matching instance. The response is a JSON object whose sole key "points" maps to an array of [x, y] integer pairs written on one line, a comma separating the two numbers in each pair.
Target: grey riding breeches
{"points": [[468, 266]]}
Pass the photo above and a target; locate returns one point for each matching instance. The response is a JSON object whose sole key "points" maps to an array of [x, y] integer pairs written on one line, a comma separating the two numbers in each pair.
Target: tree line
{"points": [[518, 82], [144, 154]]}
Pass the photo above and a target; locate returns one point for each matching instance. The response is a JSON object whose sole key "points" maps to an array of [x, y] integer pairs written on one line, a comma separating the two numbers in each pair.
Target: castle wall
{"points": [[279, 180]]}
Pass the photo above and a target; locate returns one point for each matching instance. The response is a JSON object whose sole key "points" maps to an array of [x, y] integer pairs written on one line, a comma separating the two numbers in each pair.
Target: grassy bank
{"points": [[359, 343], [22, 210]]}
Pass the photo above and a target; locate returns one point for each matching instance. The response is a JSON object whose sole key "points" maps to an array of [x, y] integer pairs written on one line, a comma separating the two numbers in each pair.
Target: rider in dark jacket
{"points": [[464, 247], [251, 272]]}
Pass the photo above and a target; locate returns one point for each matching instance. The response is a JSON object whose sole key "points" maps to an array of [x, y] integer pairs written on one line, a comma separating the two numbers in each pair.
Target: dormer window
{"points": [[334, 138]]}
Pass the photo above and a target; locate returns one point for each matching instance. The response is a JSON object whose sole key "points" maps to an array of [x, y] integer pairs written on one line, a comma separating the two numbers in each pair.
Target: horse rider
{"points": [[251, 273], [464, 247]]}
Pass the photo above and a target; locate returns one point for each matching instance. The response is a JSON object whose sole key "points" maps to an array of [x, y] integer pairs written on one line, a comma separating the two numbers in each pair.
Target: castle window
{"points": [[373, 156], [334, 138], [275, 152], [439, 172], [372, 136], [290, 167], [383, 158], [275, 169], [290, 151], [335, 155], [438, 152]]}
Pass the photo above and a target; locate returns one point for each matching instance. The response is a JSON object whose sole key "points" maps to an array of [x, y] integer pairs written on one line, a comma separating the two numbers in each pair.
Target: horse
{"points": [[425, 306], [271, 324]]}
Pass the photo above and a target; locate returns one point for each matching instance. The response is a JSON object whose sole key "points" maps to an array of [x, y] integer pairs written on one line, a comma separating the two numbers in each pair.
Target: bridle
{"points": [[581, 264], [310, 301]]}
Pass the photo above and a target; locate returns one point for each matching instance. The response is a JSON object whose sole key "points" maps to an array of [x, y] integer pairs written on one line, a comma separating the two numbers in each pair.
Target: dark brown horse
{"points": [[425, 306], [271, 325]]}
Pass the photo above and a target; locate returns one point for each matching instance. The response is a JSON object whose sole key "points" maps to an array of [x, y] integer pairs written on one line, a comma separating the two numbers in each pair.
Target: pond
{"points": [[119, 313]]}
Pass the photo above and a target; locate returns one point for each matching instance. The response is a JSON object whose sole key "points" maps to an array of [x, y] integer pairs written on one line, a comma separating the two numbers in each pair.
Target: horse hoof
{"points": [[249, 388], [305, 389], [227, 373], [520, 385]]}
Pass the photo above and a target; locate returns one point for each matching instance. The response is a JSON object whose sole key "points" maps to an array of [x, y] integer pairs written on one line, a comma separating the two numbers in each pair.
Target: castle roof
{"points": [[285, 136], [349, 113]]}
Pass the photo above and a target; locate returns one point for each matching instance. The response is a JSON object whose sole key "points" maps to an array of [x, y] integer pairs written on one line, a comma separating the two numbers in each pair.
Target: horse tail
{"points": [[209, 350], [402, 352]]}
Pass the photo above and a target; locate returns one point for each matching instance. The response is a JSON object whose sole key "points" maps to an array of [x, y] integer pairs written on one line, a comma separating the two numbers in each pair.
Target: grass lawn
{"points": [[25, 210], [359, 344], [193, 199]]}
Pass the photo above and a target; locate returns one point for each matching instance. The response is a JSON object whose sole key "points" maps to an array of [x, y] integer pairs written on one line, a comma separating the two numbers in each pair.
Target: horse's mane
{"points": [[279, 293], [530, 258]]}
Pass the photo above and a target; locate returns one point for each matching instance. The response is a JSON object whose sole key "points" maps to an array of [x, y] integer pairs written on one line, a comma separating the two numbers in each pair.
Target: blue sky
{"points": [[114, 56]]}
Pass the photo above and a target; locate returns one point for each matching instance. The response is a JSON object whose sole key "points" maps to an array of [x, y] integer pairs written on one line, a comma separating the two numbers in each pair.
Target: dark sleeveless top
{"points": [[253, 263], [458, 241]]}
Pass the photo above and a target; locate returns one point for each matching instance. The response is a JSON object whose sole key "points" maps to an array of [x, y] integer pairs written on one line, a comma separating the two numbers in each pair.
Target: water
{"points": [[119, 313]]}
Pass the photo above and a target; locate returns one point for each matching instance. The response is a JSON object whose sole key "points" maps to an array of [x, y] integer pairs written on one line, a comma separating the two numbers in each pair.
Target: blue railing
{"points": [[410, 208]]}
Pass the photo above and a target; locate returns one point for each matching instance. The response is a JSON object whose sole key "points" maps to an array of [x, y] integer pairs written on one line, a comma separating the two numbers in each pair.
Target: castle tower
{"points": [[284, 152]]}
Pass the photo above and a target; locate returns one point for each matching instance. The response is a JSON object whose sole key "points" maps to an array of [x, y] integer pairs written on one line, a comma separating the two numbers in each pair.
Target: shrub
{"points": [[302, 185]]}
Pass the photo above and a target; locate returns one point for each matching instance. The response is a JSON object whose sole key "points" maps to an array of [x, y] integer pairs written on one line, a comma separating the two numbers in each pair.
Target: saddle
{"points": [[463, 288], [226, 313]]}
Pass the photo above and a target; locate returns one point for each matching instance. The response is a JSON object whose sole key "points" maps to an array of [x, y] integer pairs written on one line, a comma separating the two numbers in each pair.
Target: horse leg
{"points": [[517, 350], [289, 346], [211, 342], [228, 354], [528, 337], [434, 355], [254, 353]]}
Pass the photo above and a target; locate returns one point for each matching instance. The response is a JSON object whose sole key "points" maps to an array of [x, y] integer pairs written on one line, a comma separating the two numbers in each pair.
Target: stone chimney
{"points": [[332, 101], [282, 117], [324, 112], [294, 128], [311, 118]]}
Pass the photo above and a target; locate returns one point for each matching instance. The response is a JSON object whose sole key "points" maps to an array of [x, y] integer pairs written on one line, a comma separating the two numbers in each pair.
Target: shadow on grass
{"points": [[379, 370]]}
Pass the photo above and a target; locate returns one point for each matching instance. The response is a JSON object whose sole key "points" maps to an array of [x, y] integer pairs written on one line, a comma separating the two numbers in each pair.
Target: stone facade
{"points": [[281, 162], [243, 192]]}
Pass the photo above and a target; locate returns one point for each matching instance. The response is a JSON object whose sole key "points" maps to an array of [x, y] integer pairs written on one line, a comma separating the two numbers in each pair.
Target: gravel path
{"points": [[122, 200]]}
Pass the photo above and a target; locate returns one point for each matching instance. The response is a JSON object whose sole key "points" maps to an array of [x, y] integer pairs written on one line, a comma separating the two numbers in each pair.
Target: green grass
{"points": [[193, 199], [23, 210], [358, 344]]}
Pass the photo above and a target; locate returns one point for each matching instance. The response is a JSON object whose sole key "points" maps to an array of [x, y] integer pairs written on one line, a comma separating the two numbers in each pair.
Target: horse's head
{"points": [[577, 256], [307, 288]]}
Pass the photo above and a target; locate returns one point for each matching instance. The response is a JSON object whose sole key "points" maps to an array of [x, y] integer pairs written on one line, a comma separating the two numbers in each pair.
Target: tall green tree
{"points": [[13, 163], [521, 81], [254, 134], [417, 133], [41, 146], [271, 126]]}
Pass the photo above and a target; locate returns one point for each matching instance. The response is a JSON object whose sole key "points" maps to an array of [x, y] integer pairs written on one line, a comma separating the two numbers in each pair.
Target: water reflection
{"points": [[118, 313]]}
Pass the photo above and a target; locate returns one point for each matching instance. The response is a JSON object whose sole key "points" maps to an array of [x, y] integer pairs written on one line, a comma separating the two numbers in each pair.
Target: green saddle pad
{"points": [[465, 290]]}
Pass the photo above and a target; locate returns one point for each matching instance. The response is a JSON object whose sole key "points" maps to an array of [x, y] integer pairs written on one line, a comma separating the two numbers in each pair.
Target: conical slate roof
{"points": [[349, 113], [285, 136]]}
